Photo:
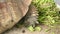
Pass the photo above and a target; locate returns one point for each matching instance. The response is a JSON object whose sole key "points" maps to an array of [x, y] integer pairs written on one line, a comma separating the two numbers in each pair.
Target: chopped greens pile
{"points": [[49, 14], [32, 29]]}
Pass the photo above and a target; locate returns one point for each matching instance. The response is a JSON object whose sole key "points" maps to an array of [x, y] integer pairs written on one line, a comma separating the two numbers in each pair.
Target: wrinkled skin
{"points": [[11, 11], [31, 18]]}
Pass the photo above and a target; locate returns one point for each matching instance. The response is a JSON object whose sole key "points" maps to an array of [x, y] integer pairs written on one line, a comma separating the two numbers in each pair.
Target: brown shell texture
{"points": [[11, 11]]}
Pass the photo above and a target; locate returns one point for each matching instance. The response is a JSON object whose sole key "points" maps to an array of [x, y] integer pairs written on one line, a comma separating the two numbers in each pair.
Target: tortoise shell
{"points": [[11, 11]]}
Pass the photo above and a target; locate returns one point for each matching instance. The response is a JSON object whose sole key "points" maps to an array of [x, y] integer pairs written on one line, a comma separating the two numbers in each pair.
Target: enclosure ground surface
{"points": [[23, 30]]}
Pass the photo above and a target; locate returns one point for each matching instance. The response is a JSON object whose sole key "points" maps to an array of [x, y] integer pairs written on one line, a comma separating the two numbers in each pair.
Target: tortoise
{"points": [[12, 11]]}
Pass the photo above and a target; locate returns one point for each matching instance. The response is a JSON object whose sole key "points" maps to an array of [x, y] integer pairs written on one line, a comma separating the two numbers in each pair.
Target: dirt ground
{"points": [[24, 30]]}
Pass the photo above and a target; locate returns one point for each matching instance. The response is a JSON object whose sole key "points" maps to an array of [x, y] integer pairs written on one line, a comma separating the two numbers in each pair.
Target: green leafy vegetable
{"points": [[49, 14], [31, 28], [38, 28]]}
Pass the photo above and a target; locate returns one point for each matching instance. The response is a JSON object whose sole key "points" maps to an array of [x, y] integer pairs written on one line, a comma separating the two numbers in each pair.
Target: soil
{"points": [[24, 30]]}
